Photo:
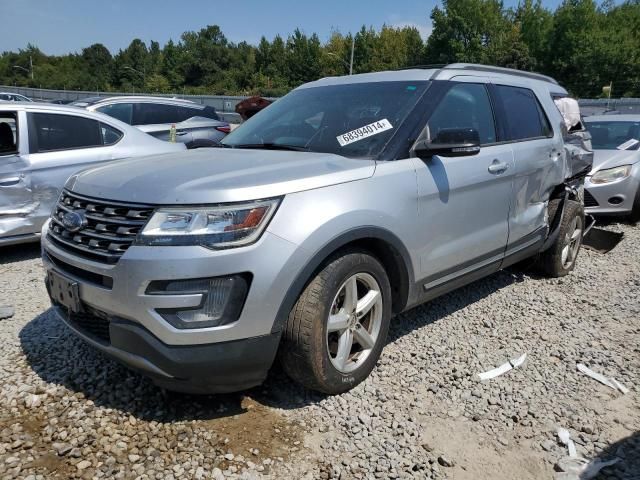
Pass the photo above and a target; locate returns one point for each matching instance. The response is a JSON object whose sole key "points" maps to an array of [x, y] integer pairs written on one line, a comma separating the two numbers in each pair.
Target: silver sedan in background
{"points": [[613, 186], [193, 124], [42, 145]]}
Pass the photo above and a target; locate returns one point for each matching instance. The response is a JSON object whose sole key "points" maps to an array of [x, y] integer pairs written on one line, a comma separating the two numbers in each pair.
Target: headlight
{"points": [[222, 226], [611, 174]]}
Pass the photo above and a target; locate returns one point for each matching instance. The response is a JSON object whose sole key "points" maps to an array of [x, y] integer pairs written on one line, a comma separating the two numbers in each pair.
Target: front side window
{"points": [[50, 132], [525, 119], [121, 111], [353, 120], [614, 135], [464, 106], [8, 133]]}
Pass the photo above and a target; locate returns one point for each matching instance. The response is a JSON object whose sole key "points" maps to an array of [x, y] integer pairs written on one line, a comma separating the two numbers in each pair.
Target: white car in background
{"points": [[193, 124], [42, 145], [613, 185], [13, 97]]}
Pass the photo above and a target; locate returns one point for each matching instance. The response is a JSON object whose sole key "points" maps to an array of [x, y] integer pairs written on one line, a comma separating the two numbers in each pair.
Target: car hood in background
{"points": [[217, 175], [603, 159]]}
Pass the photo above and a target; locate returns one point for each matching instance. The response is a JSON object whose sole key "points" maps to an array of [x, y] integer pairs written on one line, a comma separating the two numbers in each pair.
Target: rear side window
{"points": [[208, 112], [465, 105], [525, 119], [110, 135], [152, 113], [185, 113], [50, 132], [121, 111]]}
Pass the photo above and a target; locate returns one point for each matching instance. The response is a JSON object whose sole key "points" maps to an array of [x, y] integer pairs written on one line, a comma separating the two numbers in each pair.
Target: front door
{"points": [[464, 201]]}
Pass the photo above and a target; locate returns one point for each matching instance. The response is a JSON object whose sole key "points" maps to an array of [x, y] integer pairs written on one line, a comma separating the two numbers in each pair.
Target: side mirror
{"points": [[450, 142]]}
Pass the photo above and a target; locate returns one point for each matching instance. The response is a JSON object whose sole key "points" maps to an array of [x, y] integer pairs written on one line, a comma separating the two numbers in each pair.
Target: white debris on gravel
{"points": [[504, 368], [609, 382], [423, 413]]}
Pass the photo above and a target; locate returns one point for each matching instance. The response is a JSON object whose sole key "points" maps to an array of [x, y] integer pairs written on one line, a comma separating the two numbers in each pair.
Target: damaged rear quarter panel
{"points": [[17, 200], [540, 168], [30, 185]]}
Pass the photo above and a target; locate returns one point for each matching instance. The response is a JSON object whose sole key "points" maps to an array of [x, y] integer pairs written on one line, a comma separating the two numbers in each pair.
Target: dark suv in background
{"points": [[196, 125]]}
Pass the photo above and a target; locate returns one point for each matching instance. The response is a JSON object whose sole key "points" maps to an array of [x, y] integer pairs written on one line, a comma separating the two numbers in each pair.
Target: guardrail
{"points": [[595, 106], [224, 104]]}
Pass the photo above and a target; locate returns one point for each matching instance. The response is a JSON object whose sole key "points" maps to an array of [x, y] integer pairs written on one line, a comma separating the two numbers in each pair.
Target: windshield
{"points": [[354, 120], [614, 135]]}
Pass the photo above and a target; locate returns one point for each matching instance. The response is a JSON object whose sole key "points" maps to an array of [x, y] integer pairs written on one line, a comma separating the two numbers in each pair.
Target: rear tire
{"points": [[338, 327], [560, 258]]}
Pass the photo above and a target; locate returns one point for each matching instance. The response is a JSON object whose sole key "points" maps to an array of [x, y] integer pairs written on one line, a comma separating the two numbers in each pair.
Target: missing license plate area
{"points": [[64, 291]]}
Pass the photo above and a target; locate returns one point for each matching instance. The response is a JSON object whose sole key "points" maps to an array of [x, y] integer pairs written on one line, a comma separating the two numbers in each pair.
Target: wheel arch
{"points": [[381, 243]]}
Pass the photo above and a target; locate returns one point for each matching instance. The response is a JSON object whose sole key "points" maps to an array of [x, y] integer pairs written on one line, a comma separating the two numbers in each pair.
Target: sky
{"points": [[63, 26]]}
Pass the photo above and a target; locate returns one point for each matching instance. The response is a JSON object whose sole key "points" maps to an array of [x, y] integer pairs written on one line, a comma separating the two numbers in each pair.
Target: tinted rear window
{"points": [[523, 114], [153, 113]]}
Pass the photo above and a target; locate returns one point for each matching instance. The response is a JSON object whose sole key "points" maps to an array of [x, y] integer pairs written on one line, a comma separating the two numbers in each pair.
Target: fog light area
{"points": [[222, 300]]}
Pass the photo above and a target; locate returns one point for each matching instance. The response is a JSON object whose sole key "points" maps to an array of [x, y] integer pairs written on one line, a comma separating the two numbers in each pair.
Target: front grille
{"points": [[94, 278], [110, 227], [589, 200], [92, 325]]}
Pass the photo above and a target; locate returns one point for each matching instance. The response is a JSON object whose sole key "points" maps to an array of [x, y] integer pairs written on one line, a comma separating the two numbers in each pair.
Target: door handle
{"points": [[9, 182], [497, 167], [181, 132]]}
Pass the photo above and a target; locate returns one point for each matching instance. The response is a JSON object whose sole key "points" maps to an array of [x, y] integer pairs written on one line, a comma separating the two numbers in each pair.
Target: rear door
{"points": [[538, 155], [464, 201]]}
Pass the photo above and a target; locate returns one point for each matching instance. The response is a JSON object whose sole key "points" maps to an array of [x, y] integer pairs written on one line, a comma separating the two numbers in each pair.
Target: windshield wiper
{"points": [[273, 146]]}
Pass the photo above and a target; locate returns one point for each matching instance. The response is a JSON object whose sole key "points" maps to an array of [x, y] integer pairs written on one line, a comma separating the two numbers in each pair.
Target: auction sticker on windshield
{"points": [[364, 132]]}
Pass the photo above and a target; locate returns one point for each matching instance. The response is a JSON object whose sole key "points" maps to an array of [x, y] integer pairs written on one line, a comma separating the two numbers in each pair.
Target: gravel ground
{"points": [[68, 412]]}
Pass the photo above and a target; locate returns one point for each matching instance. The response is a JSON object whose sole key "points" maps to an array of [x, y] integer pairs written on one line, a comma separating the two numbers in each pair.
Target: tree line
{"points": [[583, 44]]}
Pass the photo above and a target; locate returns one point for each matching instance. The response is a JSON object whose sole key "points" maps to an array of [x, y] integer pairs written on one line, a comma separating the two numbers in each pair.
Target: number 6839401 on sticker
{"points": [[364, 132]]}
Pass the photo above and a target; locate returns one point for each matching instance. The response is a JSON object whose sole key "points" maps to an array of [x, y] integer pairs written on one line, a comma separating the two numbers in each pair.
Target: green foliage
{"points": [[583, 44]]}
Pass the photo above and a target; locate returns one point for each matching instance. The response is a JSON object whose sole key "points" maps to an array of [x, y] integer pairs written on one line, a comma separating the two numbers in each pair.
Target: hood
{"points": [[216, 175], [604, 159]]}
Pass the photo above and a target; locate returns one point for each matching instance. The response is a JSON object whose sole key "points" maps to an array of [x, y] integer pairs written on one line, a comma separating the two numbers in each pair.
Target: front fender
{"points": [[322, 221]]}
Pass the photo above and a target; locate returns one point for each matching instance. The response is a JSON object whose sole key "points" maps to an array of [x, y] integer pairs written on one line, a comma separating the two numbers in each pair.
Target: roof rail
{"points": [[429, 66], [502, 70]]}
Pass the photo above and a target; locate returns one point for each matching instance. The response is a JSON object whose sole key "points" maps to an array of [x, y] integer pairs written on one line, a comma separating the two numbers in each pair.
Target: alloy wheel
{"points": [[354, 322]]}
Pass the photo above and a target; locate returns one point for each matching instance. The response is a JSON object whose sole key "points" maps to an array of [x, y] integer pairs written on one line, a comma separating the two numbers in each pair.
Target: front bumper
{"points": [[614, 198], [203, 369], [120, 290], [219, 359]]}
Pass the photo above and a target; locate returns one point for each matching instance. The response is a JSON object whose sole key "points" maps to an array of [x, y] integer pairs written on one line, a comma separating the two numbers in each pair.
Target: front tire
{"points": [[338, 327], [560, 258]]}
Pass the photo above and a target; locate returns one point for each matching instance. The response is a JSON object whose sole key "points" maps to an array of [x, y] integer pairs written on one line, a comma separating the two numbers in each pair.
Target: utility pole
{"points": [[31, 66], [353, 47]]}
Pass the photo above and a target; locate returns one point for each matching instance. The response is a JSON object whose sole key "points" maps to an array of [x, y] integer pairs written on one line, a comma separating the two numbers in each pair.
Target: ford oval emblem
{"points": [[74, 221]]}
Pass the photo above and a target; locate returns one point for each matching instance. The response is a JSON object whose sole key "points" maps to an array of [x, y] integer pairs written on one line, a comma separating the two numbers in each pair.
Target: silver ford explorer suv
{"points": [[344, 203]]}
